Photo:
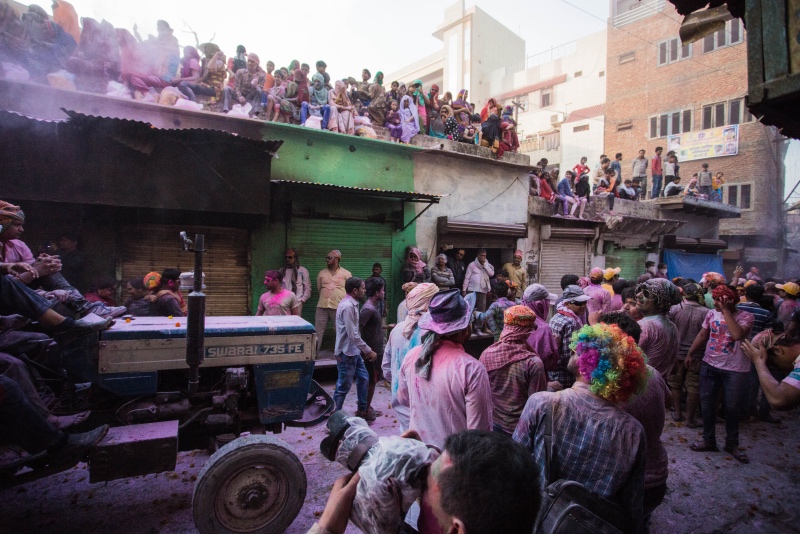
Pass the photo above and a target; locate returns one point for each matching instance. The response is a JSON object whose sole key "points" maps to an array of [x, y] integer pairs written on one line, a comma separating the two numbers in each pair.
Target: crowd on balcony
{"points": [[570, 194], [93, 56]]}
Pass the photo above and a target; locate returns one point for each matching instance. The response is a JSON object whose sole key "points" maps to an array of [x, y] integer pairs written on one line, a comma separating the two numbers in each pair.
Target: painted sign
{"points": [[230, 351], [705, 144]]}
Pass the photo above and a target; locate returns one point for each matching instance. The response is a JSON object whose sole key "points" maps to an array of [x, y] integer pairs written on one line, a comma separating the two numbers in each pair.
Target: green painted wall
{"points": [[309, 155]]}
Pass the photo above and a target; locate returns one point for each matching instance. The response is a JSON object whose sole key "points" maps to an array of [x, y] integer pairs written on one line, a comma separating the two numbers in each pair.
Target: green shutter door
{"points": [[631, 261], [361, 244]]}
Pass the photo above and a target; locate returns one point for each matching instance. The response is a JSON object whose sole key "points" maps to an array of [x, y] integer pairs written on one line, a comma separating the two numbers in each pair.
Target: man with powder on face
{"points": [[277, 300]]}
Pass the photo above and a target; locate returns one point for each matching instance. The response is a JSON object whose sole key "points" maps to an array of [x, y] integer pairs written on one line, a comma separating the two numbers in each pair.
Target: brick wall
{"points": [[639, 89]]}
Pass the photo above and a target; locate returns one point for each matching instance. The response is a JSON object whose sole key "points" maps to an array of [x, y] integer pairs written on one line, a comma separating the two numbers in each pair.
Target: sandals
{"points": [[702, 446], [739, 456]]}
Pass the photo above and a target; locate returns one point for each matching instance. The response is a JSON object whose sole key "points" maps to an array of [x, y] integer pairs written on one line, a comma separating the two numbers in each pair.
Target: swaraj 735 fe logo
{"points": [[232, 351]]}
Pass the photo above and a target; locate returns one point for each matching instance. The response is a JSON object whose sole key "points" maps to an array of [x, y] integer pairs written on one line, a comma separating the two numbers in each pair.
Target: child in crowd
{"points": [[717, 181], [393, 121]]}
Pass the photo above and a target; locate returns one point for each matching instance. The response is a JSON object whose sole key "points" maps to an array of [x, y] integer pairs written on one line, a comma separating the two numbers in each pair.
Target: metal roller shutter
{"points": [[631, 261], [226, 263], [562, 256], [361, 244]]}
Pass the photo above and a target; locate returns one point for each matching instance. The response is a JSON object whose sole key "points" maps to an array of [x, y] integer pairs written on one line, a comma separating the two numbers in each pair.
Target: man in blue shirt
{"points": [[616, 166]]}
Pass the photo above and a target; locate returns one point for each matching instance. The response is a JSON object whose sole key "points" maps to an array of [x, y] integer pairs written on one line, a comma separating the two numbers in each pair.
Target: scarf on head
{"points": [[485, 111], [460, 99], [340, 97], [320, 95], [418, 265], [510, 348], [665, 293], [417, 303], [378, 78], [423, 365]]}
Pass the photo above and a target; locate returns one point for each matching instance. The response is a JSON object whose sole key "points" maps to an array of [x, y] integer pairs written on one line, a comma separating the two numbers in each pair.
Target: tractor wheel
{"points": [[253, 484]]}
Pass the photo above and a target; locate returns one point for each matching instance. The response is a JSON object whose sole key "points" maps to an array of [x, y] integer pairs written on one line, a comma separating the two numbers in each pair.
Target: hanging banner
{"points": [[711, 143]]}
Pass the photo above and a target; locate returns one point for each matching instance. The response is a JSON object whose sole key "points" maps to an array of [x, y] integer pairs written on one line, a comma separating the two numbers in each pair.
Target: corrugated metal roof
{"points": [[586, 113], [408, 195], [191, 135]]}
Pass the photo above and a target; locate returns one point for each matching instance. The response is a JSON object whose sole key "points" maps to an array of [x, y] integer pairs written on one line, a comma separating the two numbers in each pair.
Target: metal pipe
{"points": [[196, 320]]}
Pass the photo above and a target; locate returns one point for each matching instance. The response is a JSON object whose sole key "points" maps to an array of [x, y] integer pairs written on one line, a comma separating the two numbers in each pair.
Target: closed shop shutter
{"points": [[361, 244], [631, 261], [226, 263], [562, 256]]}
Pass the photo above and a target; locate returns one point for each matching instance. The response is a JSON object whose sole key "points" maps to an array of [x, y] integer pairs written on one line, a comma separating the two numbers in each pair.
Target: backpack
{"points": [[567, 507]]}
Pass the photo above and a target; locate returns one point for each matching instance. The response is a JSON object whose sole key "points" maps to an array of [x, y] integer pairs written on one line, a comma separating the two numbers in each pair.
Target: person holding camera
{"points": [[482, 482]]}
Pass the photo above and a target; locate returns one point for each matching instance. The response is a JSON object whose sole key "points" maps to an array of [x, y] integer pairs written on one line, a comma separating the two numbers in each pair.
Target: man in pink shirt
{"points": [[725, 366], [446, 389], [600, 298]]}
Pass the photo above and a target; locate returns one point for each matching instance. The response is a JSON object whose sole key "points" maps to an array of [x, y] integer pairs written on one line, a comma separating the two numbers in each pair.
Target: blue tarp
{"points": [[688, 265]]}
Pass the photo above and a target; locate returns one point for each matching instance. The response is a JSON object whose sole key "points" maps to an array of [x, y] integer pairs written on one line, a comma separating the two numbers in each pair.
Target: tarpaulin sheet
{"points": [[689, 265]]}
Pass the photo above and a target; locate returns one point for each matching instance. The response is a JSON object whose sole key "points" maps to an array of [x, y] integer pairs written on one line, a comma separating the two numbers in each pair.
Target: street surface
{"points": [[708, 492]]}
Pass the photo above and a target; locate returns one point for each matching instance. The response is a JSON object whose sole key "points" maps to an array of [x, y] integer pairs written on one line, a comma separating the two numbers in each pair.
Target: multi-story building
{"points": [[559, 93], [690, 98]]}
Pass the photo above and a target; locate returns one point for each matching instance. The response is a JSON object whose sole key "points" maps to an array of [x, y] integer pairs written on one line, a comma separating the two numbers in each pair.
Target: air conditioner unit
{"points": [[557, 119]]}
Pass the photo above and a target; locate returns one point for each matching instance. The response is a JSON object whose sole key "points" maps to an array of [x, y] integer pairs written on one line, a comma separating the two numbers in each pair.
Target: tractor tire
{"points": [[253, 484]]}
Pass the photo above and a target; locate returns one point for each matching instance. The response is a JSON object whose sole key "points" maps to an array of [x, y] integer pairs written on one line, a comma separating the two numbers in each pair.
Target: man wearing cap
{"points": [[567, 320], [247, 85], [600, 298], [446, 389], [350, 348], [789, 293], [609, 277], [405, 336], [45, 273], [516, 273], [277, 300], [330, 284], [477, 279], [515, 371]]}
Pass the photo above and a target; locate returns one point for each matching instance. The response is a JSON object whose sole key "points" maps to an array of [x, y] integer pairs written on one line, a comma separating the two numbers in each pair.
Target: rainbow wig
{"points": [[610, 361]]}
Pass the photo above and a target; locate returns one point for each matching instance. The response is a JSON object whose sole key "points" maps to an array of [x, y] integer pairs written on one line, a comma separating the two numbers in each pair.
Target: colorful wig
{"points": [[610, 361]]}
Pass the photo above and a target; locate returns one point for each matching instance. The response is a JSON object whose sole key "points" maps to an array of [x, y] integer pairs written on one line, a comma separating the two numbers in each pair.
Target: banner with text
{"points": [[711, 143]]}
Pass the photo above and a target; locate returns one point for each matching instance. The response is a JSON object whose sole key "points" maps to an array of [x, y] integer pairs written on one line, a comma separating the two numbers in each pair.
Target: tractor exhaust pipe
{"points": [[196, 320]]}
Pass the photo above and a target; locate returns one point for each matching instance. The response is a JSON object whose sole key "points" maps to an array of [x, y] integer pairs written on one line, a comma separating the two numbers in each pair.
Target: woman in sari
{"points": [[421, 101], [486, 111], [302, 94], [461, 108], [410, 119], [293, 66], [377, 105], [434, 102], [340, 102], [378, 78], [450, 123], [212, 79]]}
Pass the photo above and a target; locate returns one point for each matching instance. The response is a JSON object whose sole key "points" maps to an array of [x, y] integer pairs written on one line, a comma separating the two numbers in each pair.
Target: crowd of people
{"points": [[604, 362], [624, 353], [570, 194], [84, 54]]}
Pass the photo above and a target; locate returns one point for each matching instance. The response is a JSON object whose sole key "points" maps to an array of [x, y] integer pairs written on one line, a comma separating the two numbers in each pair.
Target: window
{"points": [[730, 35], [583, 128], [627, 57], [672, 123], [601, 74], [623, 126], [467, 43], [546, 98], [578, 74], [739, 195], [672, 50], [723, 113]]}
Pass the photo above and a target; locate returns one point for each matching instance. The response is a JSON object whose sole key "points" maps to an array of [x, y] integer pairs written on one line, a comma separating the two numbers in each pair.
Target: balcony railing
{"points": [[641, 11]]}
